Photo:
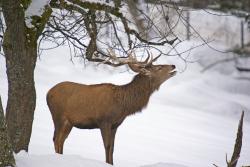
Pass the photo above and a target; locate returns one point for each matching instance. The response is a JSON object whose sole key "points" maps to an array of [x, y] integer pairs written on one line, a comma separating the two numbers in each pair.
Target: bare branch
{"points": [[238, 144]]}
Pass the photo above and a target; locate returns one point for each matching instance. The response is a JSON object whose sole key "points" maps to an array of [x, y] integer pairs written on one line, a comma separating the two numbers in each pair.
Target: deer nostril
{"points": [[173, 66]]}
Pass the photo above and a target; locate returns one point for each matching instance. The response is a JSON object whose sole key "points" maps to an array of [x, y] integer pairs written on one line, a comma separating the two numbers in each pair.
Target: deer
{"points": [[104, 106]]}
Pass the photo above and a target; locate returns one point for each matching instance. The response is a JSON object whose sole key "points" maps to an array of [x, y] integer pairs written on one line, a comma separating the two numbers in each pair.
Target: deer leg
{"points": [[112, 141], [60, 135], [106, 135]]}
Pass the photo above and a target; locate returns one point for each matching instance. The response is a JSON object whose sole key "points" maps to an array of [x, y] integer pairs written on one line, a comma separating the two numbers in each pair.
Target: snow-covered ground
{"points": [[190, 122]]}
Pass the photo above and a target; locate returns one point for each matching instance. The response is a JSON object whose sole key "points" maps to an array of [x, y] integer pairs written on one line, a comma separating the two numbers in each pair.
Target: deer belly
{"points": [[84, 124]]}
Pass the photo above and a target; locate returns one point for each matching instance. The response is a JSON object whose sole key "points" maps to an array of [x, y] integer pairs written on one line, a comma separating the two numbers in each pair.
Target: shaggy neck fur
{"points": [[135, 95]]}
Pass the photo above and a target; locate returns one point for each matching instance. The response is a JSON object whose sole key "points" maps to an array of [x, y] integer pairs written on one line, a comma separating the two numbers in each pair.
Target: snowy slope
{"points": [[190, 122], [25, 160]]}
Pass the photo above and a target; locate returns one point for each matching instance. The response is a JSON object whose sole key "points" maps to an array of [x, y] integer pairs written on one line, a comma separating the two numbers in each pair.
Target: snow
{"points": [[164, 165], [190, 122], [24, 159]]}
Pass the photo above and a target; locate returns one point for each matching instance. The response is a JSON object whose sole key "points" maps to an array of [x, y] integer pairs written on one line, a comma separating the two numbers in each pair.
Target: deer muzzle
{"points": [[173, 71]]}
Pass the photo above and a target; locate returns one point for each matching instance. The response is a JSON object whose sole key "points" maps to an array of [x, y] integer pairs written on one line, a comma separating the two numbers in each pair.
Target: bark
{"points": [[139, 22], [20, 51], [6, 152], [91, 27]]}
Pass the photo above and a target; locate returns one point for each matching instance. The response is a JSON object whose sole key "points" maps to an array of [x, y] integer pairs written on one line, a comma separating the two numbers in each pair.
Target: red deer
{"points": [[104, 106]]}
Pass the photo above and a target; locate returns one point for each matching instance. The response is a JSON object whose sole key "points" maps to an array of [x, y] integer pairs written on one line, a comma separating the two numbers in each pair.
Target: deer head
{"points": [[157, 73]]}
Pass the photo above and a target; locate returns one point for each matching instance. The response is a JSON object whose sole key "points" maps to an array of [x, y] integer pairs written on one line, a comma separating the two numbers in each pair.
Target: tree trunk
{"points": [[139, 21], [20, 48], [6, 153]]}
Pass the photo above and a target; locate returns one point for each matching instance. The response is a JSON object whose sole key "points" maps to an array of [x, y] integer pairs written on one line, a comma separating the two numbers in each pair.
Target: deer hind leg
{"points": [[60, 134]]}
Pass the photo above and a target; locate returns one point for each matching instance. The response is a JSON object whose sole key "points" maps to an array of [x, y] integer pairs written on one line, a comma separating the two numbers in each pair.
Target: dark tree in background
{"points": [[224, 5]]}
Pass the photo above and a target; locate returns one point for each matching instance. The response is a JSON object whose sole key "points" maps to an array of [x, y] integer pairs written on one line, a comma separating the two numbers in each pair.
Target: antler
{"points": [[132, 62], [152, 59], [113, 57]]}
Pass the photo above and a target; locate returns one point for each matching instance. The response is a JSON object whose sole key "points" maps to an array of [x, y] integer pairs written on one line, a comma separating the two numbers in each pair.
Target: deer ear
{"points": [[134, 67], [159, 68], [145, 72], [138, 69]]}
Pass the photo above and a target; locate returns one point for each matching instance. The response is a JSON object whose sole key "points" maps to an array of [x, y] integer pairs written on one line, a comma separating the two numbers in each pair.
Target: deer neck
{"points": [[136, 94]]}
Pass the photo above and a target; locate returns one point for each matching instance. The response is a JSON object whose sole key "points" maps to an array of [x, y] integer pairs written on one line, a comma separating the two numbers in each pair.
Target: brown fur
{"points": [[102, 106]]}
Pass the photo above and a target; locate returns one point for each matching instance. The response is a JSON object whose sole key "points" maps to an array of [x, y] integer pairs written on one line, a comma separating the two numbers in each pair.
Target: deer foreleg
{"points": [[112, 141], [106, 136]]}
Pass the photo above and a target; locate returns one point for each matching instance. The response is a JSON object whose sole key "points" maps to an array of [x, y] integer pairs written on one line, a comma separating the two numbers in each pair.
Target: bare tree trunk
{"points": [[20, 51], [139, 22], [6, 153]]}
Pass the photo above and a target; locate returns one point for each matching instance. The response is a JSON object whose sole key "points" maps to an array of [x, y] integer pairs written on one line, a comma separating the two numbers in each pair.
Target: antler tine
{"points": [[146, 61], [112, 55], [156, 58], [132, 57], [153, 59], [133, 63]]}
